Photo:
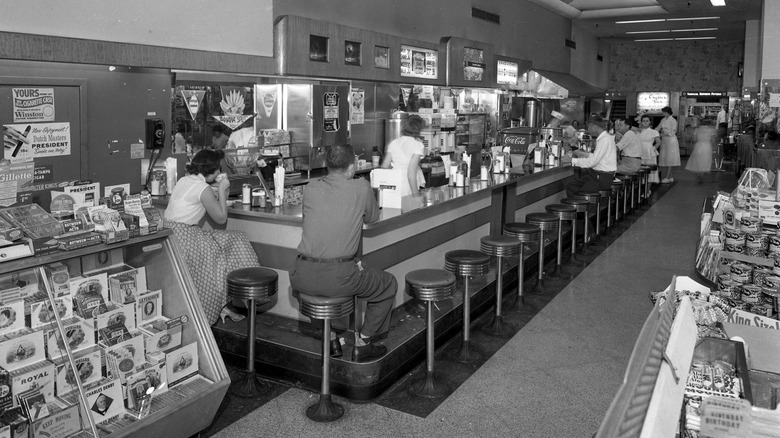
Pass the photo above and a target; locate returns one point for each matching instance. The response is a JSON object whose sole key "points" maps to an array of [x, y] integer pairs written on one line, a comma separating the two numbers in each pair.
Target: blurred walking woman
{"points": [[210, 253], [670, 148]]}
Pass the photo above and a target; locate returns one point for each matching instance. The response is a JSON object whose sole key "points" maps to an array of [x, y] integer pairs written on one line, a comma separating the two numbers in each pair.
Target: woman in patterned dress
{"points": [[211, 254]]}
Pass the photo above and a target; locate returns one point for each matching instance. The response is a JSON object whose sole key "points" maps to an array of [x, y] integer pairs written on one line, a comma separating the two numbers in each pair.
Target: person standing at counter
{"points": [[334, 211], [598, 168], [404, 153], [210, 254], [630, 147], [670, 148], [218, 138]]}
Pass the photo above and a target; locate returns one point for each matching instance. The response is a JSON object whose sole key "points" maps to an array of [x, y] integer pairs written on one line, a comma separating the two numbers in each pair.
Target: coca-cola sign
{"points": [[516, 140]]}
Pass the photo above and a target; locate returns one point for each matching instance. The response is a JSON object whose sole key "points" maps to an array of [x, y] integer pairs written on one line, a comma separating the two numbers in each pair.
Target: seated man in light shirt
{"points": [[630, 147], [597, 168]]}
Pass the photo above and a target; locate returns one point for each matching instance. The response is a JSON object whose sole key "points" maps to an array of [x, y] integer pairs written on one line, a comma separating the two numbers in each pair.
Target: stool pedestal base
{"points": [[467, 353], [250, 386], [498, 327], [559, 273], [325, 410], [430, 386]]}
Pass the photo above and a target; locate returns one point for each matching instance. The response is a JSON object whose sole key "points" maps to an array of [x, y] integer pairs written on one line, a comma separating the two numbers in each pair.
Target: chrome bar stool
{"points": [[546, 223], [595, 200], [466, 263], [563, 212], [633, 178], [430, 285], [626, 180], [646, 188], [617, 189], [499, 246], [325, 308], [525, 233], [641, 186], [581, 206], [607, 194], [251, 284]]}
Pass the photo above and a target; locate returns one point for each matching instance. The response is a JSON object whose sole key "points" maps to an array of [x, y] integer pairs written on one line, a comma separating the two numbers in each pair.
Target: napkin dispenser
{"points": [[392, 185]]}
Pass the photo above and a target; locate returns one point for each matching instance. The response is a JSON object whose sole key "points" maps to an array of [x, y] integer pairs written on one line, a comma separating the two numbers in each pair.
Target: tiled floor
{"points": [[557, 376]]}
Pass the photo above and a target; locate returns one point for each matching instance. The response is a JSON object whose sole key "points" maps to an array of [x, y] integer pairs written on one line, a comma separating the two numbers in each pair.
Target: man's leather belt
{"points": [[334, 260], [626, 156]]}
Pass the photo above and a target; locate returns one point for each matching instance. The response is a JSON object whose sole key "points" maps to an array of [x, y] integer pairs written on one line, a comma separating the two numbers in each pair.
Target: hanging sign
{"points": [[233, 104], [45, 140], [417, 62], [506, 72], [356, 109], [330, 111], [33, 104], [193, 98], [14, 178]]}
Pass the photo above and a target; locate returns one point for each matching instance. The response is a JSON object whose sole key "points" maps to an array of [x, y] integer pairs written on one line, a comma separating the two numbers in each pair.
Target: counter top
{"points": [[425, 201]]}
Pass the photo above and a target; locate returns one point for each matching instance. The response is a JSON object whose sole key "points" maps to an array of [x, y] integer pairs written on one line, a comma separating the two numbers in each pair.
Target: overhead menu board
{"points": [[651, 101], [506, 72], [473, 64], [417, 62]]}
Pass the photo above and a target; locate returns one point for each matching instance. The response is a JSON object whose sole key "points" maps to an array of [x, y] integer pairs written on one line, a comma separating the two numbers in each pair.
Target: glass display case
{"points": [[126, 317], [470, 130]]}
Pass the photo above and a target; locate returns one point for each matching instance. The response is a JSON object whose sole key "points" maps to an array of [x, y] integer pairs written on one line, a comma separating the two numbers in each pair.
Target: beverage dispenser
{"points": [[532, 112], [394, 125]]}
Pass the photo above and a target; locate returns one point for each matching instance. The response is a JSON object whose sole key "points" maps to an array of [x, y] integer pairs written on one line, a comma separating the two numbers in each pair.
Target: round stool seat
{"points": [[545, 221], [617, 185], [580, 205], [500, 246], [562, 211], [467, 262], [252, 283], [605, 193], [319, 307], [623, 178], [646, 167], [523, 232], [430, 284], [592, 197]]}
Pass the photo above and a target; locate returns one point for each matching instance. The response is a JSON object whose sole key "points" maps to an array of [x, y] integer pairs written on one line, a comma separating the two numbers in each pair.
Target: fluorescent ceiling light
{"points": [[695, 38], [693, 18], [656, 39], [718, 2], [704, 29], [648, 31], [656, 20]]}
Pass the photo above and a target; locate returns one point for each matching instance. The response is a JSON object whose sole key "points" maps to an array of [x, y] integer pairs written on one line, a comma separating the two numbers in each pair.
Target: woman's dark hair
{"points": [[414, 124], [6, 312], [340, 156], [218, 129], [205, 162], [667, 110]]}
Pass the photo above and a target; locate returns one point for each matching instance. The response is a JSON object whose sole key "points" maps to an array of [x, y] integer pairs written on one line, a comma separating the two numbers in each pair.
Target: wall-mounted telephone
{"points": [[155, 134]]}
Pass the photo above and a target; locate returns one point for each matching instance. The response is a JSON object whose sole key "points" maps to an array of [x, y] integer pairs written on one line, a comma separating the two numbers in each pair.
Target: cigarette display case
{"points": [[127, 319]]}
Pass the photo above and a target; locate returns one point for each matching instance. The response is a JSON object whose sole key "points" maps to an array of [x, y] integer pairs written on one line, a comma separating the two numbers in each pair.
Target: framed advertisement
{"points": [[417, 62], [352, 53], [318, 48], [381, 57], [506, 72]]}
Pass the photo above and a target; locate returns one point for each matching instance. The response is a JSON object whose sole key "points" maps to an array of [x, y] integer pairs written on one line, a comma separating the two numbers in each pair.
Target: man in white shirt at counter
{"points": [[629, 145], [597, 168]]}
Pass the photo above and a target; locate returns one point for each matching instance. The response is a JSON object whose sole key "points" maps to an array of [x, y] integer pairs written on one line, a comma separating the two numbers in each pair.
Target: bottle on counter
{"points": [[376, 157]]}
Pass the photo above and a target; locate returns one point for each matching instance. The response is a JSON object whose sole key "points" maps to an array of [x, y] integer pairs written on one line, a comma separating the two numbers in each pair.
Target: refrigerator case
{"points": [[175, 409], [316, 115]]}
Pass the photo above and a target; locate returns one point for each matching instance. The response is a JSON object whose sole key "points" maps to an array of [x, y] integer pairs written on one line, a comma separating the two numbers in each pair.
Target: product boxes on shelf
{"points": [[105, 401], [38, 375], [60, 424], [25, 279], [21, 348], [162, 334], [79, 334], [117, 314], [11, 316], [6, 394], [125, 357], [88, 366], [181, 364], [125, 287], [60, 279], [18, 425], [42, 313], [86, 289], [148, 307], [69, 243]]}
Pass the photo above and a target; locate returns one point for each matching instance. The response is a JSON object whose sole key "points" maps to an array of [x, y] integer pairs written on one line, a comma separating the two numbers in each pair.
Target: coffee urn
{"points": [[394, 125], [533, 112]]}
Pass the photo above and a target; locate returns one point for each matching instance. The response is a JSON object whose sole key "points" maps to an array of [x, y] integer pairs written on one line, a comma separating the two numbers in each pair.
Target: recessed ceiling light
{"points": [[718, 2]]}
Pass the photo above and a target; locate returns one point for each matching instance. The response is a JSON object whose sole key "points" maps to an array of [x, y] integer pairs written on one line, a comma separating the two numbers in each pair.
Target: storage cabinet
{"points": [[165, 377]]}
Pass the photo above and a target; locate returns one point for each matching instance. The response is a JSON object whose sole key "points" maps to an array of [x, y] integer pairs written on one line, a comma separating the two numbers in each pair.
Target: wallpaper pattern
{"points": [[676, 66]]}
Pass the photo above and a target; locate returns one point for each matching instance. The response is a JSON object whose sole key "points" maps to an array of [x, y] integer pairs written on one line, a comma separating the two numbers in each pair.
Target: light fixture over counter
{"points": [[718, 2]]}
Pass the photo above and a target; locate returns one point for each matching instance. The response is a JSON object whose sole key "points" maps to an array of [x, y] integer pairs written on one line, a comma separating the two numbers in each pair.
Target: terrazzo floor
{"points": [[557, 376]]}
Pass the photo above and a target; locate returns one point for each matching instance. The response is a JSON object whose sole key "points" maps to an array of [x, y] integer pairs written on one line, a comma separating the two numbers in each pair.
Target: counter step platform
{"points": [[286, 349]]}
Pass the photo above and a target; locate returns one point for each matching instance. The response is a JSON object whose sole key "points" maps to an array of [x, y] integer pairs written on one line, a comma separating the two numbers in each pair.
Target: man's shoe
{"points": [[368, 352]]}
